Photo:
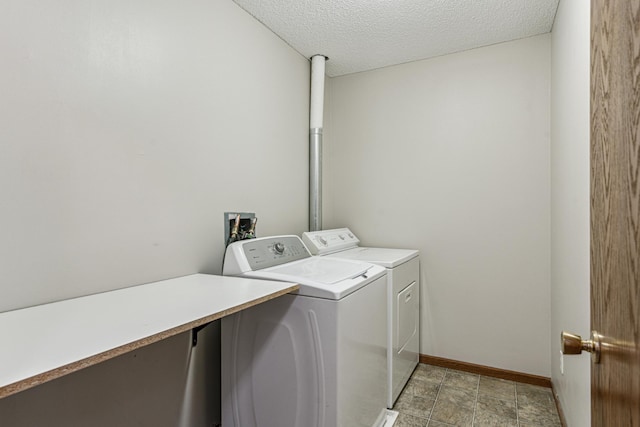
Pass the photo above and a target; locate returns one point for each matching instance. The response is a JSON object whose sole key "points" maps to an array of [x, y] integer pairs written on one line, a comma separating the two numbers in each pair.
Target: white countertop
{"points": [[44, 342]]}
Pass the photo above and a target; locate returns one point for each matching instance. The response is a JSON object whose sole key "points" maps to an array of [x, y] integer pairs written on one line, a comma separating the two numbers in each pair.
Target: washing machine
{"points": [[314, 358], [403, 296]]}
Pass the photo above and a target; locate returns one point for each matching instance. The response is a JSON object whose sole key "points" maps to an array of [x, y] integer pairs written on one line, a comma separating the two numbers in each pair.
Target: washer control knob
{"points": [[279, 248], [322, 240]]}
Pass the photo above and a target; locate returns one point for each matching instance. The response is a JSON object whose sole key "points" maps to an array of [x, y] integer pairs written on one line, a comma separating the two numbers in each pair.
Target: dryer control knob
{"points": [[322, 240], [279, 248]]}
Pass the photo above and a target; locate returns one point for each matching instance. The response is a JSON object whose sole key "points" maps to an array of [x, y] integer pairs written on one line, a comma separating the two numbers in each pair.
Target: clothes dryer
{"points": [[403, 296], [314, 358]]}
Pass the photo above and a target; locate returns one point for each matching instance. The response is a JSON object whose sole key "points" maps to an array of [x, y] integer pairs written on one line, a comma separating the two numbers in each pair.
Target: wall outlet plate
{"points": [[230, 218]]}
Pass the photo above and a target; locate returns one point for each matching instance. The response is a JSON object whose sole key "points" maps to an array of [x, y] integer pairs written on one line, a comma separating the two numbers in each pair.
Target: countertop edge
{"points": [[77, 365]]}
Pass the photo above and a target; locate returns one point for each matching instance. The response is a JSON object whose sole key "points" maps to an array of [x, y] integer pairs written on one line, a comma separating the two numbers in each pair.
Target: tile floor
{"points": [[439, 397]]}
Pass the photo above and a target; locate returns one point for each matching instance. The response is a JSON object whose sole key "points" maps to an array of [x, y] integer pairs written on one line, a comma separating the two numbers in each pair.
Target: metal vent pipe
{"points": [[316, 111]]}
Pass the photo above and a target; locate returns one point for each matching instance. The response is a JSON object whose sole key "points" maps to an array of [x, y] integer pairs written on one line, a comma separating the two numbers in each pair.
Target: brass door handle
{"points": [[574, 344]]}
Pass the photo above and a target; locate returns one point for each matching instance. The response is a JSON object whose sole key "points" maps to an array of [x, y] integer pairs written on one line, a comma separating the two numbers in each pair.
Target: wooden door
{"points": [[615, 210]]}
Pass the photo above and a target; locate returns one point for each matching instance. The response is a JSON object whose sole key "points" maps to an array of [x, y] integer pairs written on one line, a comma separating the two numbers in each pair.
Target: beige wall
{"points": [[451, 156], [127, 128], [570, 204]]}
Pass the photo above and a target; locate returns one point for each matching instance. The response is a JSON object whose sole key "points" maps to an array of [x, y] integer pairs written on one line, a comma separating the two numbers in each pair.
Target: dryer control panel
{"points": [[328, 241]]}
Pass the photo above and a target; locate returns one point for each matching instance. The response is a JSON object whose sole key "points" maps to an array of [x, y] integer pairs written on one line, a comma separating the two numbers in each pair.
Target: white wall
{"points": [[127, 128], [570, 204], [451, 156]]}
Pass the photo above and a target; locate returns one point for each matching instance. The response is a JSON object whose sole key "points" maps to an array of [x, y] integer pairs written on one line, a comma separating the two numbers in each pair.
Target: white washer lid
{"points": [[323, 270], [323, 277], [385, 257]]}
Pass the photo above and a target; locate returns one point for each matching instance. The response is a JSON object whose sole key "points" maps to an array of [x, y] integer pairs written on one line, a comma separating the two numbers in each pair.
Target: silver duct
{"points": [[315, 179], [316, 111]]}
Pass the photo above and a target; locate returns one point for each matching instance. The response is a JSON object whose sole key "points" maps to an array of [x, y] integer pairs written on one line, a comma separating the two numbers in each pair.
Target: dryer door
{"points": [[407, 321]]}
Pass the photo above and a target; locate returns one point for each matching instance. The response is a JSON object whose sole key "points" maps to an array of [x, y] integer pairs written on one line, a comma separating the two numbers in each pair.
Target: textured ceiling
{"points": [[360, 35]]}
